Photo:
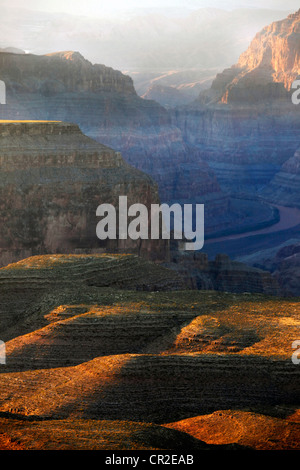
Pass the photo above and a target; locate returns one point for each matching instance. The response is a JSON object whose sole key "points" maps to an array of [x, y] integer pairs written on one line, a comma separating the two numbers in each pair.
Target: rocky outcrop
{"points": [[282, 261], [52, 180], [250, 429], [106, 434], [266, 70], [284, 187], [223, 274], [38, 284], [80, 345], [246, 125], [167, 96], [245, 146], [195, 385], [66, 71], [286, 269]]}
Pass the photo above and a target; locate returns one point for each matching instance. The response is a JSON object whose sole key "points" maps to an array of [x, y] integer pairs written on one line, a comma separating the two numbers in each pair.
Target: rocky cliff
{"points": [[87, 348], [283, 262], [222, 274], [246, 126], [266, 70], [52, 179], [64, 86], [284, 187]]}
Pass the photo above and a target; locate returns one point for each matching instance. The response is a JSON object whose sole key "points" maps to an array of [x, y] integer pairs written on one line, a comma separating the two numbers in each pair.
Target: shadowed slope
{"points": [[245, 428], [45, 282], [151, 388], [78, 434]]}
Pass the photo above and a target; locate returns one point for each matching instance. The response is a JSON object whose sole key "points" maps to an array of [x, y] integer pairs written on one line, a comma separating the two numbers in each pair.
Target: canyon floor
{"points": [[111, 352]]}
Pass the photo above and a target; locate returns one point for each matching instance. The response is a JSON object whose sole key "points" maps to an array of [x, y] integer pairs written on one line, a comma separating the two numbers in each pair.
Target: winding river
{"points": [[289, 218]]}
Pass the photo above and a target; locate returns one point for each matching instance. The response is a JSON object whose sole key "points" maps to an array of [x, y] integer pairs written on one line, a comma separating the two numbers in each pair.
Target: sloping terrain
{"points": [[246, 125], [33, 287], [249, 429], [79, 434], [97, 351]]}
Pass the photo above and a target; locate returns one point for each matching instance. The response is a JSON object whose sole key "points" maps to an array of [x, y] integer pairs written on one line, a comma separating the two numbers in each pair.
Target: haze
{"points": [[98, 8]]}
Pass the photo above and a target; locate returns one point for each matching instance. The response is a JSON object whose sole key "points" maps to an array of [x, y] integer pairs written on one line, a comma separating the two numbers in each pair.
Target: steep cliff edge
{"points": [[52, 179], [267, 69]]}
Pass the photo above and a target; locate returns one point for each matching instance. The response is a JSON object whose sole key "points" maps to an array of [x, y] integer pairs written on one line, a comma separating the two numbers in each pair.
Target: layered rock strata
{"points": [[284, 187], [52, 179], [81, 346], [246, 125], [223, 274], [49, 280], [103, 102]]}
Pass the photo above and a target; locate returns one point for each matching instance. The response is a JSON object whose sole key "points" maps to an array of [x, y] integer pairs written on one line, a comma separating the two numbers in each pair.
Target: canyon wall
{"points": [[52, 180], [66, 87], [284, 187], [246, 126]]}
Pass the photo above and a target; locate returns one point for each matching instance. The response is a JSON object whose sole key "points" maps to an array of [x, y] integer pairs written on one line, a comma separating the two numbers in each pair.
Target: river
{"points": [[289, 218]]}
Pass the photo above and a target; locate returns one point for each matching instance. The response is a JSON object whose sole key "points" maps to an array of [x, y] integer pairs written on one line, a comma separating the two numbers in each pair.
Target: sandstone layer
{"points": [[108, 435], [266, 70], [26, 285], [88, 348]]}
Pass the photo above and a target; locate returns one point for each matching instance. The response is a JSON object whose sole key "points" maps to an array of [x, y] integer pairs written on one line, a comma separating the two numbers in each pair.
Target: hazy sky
{"points": [[102, 8]]}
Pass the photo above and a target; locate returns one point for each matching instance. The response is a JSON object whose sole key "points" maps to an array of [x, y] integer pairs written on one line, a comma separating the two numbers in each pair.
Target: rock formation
{"points": [[266, 70], [282, 262], [284, 187], [49, 278], [167, 96], [52, 180], [246, 125], [103, 102], [222, 274], [86, 348]]}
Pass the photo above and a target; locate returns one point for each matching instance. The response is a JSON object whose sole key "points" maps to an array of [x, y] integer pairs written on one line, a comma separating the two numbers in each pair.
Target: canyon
{"points": [[246, 128], [53, 177], [123, 344], [92, 338], [106, 107], [234, 149]]}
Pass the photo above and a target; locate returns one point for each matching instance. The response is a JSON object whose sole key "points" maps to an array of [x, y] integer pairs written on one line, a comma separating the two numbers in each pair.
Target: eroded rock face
{"points": [[284, 187], [266, 70], [65, 71], [80, 345], [222, 274], [35, 283], [52, 180], [103, 102], [246, 125], [286, 269]]}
